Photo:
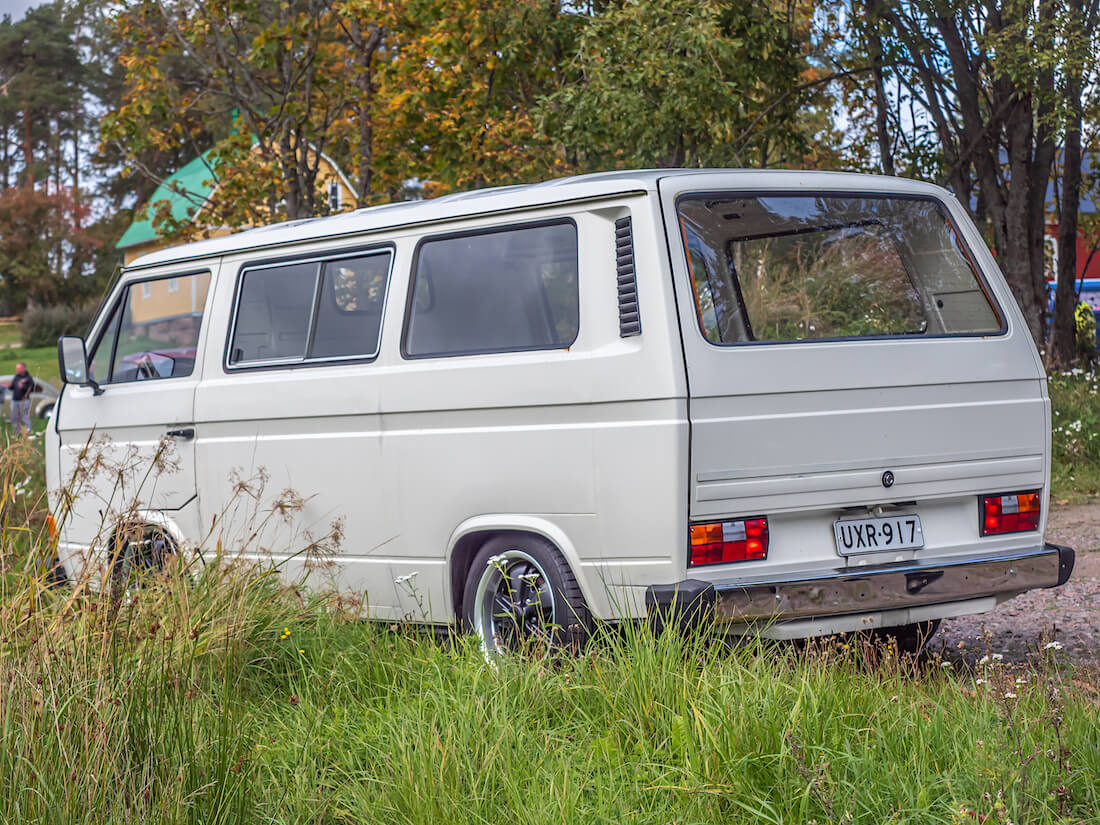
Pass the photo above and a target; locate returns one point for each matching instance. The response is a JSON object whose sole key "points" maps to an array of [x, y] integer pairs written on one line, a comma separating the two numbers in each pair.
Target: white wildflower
{"points": [[945, 664], [997, 657], [406, 578], [1053, 646], [1010, 695], [979, 681]]}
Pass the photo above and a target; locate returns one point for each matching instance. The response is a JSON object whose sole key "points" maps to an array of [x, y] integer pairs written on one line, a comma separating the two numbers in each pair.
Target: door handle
{"points": [[187, 433]]}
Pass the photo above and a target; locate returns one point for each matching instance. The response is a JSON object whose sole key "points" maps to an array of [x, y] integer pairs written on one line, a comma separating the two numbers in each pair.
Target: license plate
{"points": [[873, 535]]}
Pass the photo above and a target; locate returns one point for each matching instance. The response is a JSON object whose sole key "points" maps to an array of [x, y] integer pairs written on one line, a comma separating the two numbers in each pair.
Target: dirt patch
{"points": [[1069, 614]]}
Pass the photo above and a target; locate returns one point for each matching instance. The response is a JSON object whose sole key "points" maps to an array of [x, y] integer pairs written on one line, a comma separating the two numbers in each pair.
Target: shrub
{"points": [[43, 325], [1075, 433]]}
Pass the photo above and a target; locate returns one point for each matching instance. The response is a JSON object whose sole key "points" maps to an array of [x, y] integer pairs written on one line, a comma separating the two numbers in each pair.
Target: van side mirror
{"points": [[72, 358]]}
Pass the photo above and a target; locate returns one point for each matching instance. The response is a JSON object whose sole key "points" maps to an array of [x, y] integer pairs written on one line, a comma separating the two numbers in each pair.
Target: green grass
{"points": [[41, 361], [228, 700], [10, 333], [1075, 411]]}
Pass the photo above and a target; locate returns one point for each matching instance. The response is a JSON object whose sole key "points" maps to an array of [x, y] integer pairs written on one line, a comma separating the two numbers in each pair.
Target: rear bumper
{"points": [[846, 591]]}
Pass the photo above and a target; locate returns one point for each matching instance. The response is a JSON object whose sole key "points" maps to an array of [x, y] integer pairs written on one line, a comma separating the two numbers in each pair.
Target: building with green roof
{"points": [[186, 190], [191, 187]]}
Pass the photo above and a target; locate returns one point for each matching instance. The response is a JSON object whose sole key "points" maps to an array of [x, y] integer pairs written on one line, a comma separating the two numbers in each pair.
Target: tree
{"points": [[40, 95], [987, 82], [461, 90], [272, 70], [44, 249], [1080, 49], [48, 251], [688, 83], [363, 23], [451, 94]]}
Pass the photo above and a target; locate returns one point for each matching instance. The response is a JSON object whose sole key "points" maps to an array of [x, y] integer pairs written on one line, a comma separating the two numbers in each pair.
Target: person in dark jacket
{"points": [[21, 386]]}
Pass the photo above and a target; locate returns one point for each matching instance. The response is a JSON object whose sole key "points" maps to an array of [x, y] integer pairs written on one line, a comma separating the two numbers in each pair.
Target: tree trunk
{"points": [[28, 149], [365, 45], [1062, 345], [874, 49], [288, 162]]}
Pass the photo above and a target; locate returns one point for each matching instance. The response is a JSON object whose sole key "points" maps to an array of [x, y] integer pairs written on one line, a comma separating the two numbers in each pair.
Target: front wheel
{"points": [[520, 594], [139, 553]]}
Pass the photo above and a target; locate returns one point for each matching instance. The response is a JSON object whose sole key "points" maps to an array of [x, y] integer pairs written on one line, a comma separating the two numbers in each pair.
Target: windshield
{"points": [[804, 267]]}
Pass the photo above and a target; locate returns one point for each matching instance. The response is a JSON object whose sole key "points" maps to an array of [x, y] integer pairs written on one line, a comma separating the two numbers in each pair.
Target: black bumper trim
{"points": [[683, 603], [1066, 559]]}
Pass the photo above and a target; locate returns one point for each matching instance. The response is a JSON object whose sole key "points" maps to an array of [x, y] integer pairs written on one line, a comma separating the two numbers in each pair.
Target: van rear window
{"points": [[811, 267], [494, 291]]}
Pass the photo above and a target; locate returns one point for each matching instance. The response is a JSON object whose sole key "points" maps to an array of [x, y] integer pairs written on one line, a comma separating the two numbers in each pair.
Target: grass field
{"points": [[230, 700], [40, 361]]}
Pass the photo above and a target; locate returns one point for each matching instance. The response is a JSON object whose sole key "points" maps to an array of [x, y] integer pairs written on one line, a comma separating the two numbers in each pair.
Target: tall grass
{"points": [[227, 698]]}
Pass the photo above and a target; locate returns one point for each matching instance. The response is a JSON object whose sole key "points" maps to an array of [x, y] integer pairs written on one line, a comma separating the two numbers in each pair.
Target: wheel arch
{"points": [[158, 518], [145, 520], [469, 537]]}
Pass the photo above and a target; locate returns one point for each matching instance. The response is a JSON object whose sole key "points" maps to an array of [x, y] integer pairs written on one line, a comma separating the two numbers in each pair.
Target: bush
{"points": [[43, 325], [1075, 433]]}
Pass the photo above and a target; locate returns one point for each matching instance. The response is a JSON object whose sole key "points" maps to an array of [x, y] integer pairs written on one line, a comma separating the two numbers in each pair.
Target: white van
{"points": [[801, 401]]}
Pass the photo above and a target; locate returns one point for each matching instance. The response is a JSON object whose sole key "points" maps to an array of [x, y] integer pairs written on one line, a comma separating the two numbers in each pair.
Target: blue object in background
{"points": [[1090, 293]]}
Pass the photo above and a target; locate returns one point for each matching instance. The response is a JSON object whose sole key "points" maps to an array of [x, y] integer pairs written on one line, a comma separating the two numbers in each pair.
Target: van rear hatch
{"points": [[857, 371]]}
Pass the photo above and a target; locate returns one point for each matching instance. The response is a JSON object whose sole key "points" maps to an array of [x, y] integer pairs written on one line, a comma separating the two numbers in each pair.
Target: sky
{"points": [[16, 8]]}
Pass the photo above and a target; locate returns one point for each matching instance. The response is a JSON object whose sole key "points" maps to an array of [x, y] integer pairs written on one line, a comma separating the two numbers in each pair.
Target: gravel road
{"points": [[1069, 614]]}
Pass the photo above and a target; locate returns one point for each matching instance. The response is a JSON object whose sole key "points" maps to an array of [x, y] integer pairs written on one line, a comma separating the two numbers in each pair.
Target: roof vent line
{"points": [[630, 320]]}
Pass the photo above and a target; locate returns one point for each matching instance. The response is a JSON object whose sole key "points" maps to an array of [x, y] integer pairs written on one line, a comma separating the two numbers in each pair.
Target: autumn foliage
{"points": [[421, 97]]}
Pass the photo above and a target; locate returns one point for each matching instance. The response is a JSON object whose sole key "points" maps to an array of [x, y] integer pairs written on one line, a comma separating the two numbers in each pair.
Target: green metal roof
{"points": [[186, 191]]}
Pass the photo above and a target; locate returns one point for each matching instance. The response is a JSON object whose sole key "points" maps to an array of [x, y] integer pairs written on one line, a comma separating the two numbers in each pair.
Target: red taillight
{"points": [[1012, 513], [725, 541]]}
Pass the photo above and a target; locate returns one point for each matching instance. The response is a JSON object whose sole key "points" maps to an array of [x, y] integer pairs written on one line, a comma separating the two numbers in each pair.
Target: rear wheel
{"points": [[911, 638], [520, 594]]}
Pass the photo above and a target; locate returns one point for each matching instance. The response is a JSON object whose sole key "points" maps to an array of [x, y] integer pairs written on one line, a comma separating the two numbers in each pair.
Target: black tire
{"points": [[520, 594], [911, 638], [139, 553]]}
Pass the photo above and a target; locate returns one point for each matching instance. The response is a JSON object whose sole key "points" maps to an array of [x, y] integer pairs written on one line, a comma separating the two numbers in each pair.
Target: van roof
{"points": [[501, 199]]}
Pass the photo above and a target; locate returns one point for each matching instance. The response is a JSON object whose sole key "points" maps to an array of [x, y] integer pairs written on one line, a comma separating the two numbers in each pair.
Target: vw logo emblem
{"points": [[888, 479]]}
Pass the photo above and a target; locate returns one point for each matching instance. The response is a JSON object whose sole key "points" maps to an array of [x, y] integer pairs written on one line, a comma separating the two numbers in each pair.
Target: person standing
{"points": [[21, 386]]}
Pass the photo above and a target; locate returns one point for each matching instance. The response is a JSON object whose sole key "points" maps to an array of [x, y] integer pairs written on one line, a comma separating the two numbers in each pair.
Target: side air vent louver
{"points": [[630, 321]]}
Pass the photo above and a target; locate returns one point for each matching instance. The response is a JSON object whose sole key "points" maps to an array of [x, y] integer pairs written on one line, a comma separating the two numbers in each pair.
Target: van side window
{"points": [[153, 330], [814, 267], [310, 311], [501, 290], [273, 313], [349, 308]]}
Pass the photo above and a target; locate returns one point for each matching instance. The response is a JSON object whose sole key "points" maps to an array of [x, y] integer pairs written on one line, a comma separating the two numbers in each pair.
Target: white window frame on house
{"points": [[146, 291], [173, 285]]}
